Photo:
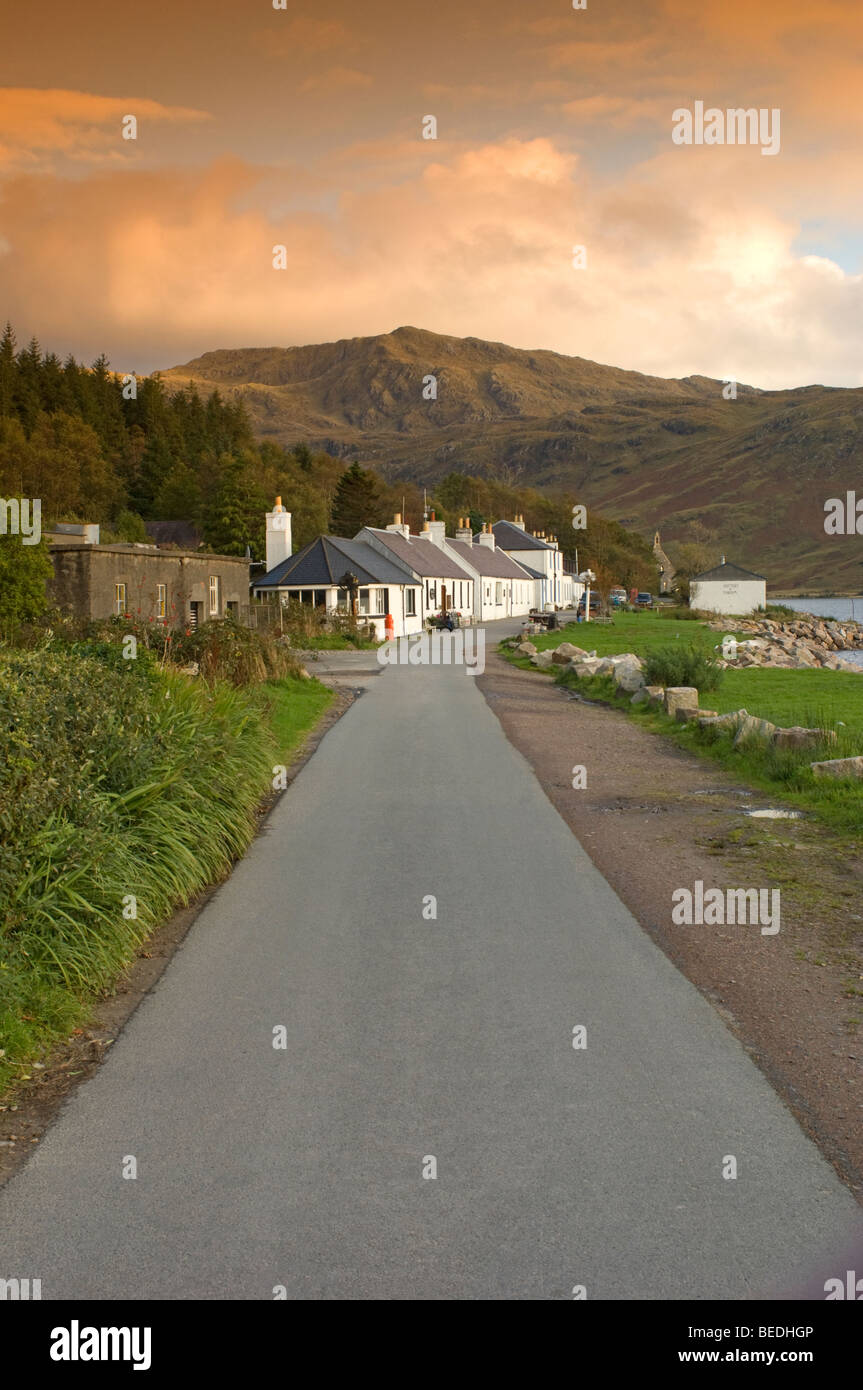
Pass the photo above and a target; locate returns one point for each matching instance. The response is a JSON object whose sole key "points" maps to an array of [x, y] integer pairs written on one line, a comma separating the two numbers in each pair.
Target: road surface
{"points": [[412, 1037]]}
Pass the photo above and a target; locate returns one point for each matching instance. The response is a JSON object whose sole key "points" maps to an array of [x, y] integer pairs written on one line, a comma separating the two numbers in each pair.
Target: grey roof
{"points": [[727, 572], [422, 556], [534, 574], [495, 563], [512, 537], [323, 561]]}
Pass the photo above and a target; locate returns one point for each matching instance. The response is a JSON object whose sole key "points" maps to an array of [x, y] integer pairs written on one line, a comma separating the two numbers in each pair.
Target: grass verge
{"points": [[126, 790]]}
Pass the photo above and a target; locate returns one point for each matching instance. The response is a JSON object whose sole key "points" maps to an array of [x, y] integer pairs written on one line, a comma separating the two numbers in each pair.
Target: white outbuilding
{"points": [[728, 589]]}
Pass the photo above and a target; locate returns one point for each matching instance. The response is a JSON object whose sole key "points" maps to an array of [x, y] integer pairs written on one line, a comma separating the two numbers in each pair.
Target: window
{"points": [[161, 600], [382, 597], [233, 608], [120, 598], [364, 601], [215, 596], [411, 603], [498, 592]]}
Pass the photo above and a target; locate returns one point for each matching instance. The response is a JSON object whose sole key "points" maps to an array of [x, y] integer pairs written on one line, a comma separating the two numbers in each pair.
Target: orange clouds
{"points": [[680, 277], [38, 127], [555, 130]]}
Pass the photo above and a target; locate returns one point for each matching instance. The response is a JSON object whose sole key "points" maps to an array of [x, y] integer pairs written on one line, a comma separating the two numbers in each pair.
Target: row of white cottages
{"points": [[503, 572]]}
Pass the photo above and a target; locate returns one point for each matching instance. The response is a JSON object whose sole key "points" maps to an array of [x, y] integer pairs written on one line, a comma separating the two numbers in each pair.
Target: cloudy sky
{"points": [[303, 127]]}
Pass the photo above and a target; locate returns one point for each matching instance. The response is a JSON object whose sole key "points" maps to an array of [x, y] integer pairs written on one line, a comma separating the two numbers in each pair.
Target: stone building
{"points": [[183, 588], [666, 568]]}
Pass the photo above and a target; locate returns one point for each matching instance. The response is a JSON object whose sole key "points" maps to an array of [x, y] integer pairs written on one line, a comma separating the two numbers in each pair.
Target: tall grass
{"points": [[121, 781]]}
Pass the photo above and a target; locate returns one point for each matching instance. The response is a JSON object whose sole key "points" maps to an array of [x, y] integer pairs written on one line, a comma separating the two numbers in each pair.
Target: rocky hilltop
{"points": [[646, 451]]}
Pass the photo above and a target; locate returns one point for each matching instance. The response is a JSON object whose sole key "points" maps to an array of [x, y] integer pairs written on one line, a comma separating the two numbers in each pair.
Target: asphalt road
{"points": [[410, 1038]]}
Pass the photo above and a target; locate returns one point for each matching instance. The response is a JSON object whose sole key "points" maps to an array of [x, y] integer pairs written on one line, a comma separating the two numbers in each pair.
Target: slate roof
{"points": [[423, 557], [512, 537], [731, 572], [494, 563], [323, 561]]}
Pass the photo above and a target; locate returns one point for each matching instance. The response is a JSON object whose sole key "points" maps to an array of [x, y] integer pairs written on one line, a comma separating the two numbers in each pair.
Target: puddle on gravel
{"points": [[773, 813], [720, 791]]}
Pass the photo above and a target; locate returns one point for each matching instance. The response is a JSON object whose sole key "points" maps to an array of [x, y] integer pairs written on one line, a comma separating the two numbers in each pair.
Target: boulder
{"points": [[542, 660], [628, 677], [684, 714], [641, 696], [798, 737], [527, 648], [656, 693], [680, 697], [585, 668], [750, 727], [839, 767], [626, 659], [568, 652], [709, 719]]}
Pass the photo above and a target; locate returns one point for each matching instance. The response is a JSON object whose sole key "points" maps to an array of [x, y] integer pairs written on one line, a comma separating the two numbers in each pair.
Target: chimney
{"points": [[434, 531], [486, 536], [399, 526], [464, 533], [279, 545]]}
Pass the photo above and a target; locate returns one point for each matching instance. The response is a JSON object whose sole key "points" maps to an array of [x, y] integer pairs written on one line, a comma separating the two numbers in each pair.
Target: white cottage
{"points": [[728, 589], [502, 588], [555, 587], [446, 585]]}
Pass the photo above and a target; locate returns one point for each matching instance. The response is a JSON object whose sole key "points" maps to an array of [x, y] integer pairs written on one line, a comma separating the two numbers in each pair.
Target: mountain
{"points": [[646, 451]]}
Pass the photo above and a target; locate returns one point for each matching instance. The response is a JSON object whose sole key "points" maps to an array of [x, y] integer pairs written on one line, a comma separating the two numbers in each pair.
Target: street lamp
{"points": [[587, 577]]}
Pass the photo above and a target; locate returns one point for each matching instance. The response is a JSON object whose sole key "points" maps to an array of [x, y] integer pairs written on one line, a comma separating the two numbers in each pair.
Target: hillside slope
{"points": [[644, 450]]}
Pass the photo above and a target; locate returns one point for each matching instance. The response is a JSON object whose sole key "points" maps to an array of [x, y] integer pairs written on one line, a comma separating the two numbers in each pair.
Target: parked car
{"points": [[644, 600], [595, 603], [618, 596]]}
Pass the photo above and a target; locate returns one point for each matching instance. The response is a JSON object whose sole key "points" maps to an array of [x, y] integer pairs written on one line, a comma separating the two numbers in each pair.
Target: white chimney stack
{"points": [[434, 531], [463, 531], [486, 536], [279, 545], [399, 526]]}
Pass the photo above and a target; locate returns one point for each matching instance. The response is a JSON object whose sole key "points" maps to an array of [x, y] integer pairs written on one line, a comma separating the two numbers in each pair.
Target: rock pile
{"points": [[803, 642]]}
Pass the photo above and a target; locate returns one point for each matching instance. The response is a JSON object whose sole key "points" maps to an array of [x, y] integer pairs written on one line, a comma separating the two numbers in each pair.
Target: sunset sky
{"points": [[303, 126]]}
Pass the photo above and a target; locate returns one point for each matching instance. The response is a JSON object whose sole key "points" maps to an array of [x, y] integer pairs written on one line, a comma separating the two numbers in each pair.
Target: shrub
{"points": [[682, 665]]}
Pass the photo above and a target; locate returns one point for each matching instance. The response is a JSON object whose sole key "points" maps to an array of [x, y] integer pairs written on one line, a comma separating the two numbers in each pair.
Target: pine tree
{"points": [[7, 372], [235, 515], [356, 503]]}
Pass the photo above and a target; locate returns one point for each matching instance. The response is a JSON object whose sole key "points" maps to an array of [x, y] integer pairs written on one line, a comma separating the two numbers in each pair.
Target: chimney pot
{"points": [[397, 519]]}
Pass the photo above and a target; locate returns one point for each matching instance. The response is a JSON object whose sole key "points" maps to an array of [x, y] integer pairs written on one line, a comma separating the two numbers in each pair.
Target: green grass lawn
{"points": [[815, 699], [333, 642]]}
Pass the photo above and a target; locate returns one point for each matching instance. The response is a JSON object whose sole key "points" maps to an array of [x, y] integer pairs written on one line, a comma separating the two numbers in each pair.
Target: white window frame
{"points": [[161, 600], [119, 599], [410, 603], [215, 589]]}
